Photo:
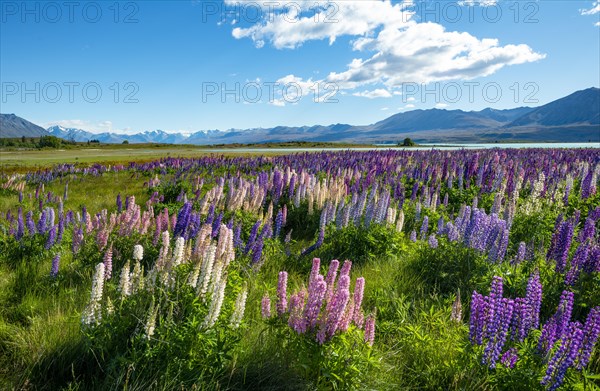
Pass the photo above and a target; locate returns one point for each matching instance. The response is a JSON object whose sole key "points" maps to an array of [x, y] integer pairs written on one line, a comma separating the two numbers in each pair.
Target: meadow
{"points": [[367, 270]]}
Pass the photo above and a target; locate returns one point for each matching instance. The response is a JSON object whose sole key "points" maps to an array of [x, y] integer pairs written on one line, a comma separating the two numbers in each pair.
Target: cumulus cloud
{"points": [[394, 48], [592, 11], [481, 3], [378, 93]]}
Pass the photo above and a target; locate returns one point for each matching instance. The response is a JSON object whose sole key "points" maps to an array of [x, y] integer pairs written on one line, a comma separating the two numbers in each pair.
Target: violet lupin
{"points": [[591, 332], [330, 278], [20, 225], [432, 241], [359, 290], [370, 330], [424, 228], [51, 238], [30, 223], [278, 223], [564, 356], [509, 358], [316, 294], [55, 266], [413, 236], [338, 306]]}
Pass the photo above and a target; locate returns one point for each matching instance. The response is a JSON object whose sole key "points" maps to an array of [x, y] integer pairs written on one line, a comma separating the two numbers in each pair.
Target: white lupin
{"points": [[151, 322], [178, 251], [125, 281], [138, 252], [240, 306], [207, 268], [92, 313], [215, 304]]}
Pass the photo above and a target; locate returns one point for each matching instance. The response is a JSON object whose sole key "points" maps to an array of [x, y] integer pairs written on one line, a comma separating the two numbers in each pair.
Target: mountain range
{"points": [[574, 118]]}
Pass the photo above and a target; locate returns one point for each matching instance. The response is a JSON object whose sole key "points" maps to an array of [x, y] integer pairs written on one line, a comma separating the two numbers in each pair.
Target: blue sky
{"points": [[204, 64]]}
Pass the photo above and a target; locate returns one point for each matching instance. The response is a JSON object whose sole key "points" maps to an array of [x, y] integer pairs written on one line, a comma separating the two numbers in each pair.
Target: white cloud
{"points": [[395, 48], [385, 108], [378, 93], [277, 102], [481, 3], [411, 99], [592, 11], [441, 106]]}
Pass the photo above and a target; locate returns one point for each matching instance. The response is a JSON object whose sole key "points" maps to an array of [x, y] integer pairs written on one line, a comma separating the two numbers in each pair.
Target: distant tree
{"points": [[49, 142], [408, 142], [125, 142], [94, 141], [23, 139]]}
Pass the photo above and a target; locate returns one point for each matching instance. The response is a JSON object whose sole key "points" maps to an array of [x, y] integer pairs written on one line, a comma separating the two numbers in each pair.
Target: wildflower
{"points": [[370, 330], [509, 358], [282, 293], [178, 251], [51, 238], [215, 304], [150, 325], [240, 305], [137, 277], [124, 282], [108, 263], [92, 313], [55, 265], [265, 306], [432, 241], [456, 315], [138, 252], [413, 236]]}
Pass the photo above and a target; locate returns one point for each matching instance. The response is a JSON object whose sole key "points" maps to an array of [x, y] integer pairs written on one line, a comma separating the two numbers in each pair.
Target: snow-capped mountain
{"points": [[150, 136], [72, 134]]}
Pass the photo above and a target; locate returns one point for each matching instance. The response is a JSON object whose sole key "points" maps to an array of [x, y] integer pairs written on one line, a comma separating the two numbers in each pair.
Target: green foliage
{"points": [[361, 244]]}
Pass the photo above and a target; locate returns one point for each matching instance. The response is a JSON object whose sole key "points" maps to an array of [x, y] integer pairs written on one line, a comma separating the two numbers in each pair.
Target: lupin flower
{"points": [[55, 266], [138, 252], [51, 238], [265, 306], [370, 330], [92, 314], [108, 263], [456, 314], [282, 293], [240, 306], [509, 358], [178, 251], [432, 241], [215, 304], [338, 306], [124, 281], [413, 236], [150, 325]]}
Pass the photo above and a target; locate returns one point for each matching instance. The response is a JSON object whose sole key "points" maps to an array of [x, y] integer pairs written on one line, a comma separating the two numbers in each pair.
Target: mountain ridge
{"points": [[575, 117]]}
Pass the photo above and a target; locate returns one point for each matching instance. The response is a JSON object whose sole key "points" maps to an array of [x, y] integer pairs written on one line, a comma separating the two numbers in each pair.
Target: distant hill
{"points": [[12, 126], [574, 118], [581, 107]]}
